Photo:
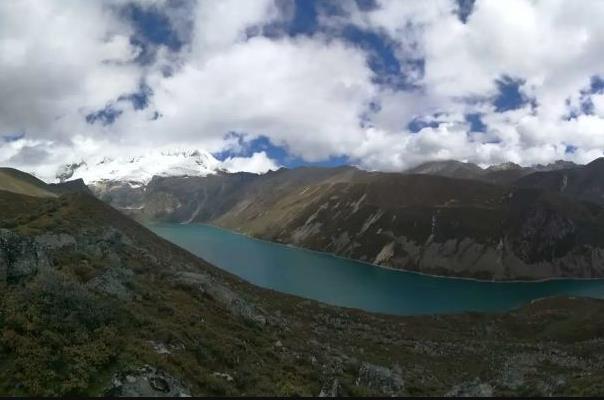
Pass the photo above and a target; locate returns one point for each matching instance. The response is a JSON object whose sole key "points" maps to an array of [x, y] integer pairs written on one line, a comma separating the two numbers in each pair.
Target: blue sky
{"points": [[376, 83]]}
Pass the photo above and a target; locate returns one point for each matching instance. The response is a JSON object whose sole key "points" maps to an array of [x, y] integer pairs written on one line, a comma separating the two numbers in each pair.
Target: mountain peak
{"points": [[506, 166], [556, 165], [448, 168], [140, 168]]}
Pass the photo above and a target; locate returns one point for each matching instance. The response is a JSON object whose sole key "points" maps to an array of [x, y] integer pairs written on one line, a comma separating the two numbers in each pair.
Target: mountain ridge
{"points": [[504, 173], [419, 222], [140, 169]]}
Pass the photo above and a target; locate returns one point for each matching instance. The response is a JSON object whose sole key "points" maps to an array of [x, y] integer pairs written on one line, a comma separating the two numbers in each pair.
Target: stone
{"points": [[331, 390], [55, 241], [147, 381], [223, 295], [111, 282], [224, 376], [471, 389], [20, 256], [379, 378]]}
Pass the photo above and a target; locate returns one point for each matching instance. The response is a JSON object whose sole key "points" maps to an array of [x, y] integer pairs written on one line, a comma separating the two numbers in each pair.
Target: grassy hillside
{"points": [[13, 180]]}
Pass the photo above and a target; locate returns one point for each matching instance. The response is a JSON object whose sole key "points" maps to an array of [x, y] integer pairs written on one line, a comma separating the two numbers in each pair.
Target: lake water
{"points": [[349, 283]]}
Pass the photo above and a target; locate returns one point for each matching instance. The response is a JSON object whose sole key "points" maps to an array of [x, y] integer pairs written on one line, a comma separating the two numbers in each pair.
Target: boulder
{"points": [[380, 379], [146, 382], [471, 389], [223, 295], [20, 256]]}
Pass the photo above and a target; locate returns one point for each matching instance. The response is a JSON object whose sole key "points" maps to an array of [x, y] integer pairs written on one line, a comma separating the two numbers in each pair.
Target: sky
{"points": [[383, 85]]}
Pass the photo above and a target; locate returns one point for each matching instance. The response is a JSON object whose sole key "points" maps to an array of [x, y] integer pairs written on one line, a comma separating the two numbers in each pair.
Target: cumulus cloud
{"points": [[59, 60], [304, 94], [316, 95], [551, 47], [257, 163]]}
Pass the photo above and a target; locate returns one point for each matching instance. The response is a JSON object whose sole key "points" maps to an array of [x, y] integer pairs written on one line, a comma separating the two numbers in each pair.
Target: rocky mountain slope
{"points": [[94, 304], [419, 222], [579, 182]]}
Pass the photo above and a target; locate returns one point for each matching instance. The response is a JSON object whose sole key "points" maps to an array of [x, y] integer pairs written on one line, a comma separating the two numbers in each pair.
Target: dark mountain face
{"points": [[94, 304], [416, 222], [580, 182], [74, 186]]}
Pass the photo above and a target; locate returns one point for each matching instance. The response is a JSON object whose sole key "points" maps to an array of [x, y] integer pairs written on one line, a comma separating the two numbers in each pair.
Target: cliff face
{"points": [[424, 223], [579, 182]]}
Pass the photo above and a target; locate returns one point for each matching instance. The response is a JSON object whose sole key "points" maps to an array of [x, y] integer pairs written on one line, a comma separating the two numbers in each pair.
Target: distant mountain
{"points": [[139, 169], [449, 168], [505, 173], [556, 165], [94, 304], [420, 222]]}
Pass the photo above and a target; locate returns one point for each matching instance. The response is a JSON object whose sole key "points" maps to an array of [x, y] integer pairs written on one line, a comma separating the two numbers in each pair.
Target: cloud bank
{"points": [[383, 85]]}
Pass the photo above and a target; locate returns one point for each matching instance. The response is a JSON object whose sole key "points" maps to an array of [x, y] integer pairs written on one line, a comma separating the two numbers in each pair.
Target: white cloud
{"points": [[257, 163], [61, 60], [58, 61], [555, 47], [305, 94], [219, 24]]}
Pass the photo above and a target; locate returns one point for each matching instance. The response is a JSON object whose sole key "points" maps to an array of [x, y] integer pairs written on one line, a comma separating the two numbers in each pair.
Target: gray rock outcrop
{"points": [[381, 379], [20, 256], [147, 382]]}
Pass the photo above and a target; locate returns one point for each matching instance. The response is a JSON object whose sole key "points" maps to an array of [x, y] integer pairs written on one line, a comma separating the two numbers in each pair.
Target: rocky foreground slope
{"points": [[94, 304], [422, 222]]}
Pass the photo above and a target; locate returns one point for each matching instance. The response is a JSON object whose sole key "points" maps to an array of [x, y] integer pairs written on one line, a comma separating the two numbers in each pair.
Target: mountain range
{"points": [[95, 304], [504, 173], [445, 218], [139, 169]]}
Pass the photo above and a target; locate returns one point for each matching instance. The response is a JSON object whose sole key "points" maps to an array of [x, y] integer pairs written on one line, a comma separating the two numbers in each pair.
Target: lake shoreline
{"points": [[349, 283], [544, 280]]}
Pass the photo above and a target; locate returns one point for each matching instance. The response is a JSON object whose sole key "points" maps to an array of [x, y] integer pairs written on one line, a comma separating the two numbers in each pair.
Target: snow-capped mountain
{"points": [[139, 169], [506, 166]]}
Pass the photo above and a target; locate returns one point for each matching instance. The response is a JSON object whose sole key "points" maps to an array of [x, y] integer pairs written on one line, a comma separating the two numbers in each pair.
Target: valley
{"points": [[301, 198], [424, 222]]}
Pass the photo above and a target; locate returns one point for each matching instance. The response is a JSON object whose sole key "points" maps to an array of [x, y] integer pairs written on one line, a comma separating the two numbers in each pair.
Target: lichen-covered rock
{"points": [[331, 390], [112, 282], [19, 256], [381, 379], [55, 241], [147, 382], [223, 375], [471, 389], [223, 295]]}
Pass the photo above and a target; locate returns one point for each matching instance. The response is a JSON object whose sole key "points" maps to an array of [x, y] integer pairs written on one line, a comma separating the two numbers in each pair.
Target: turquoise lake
{"points": [[349, 283]]}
